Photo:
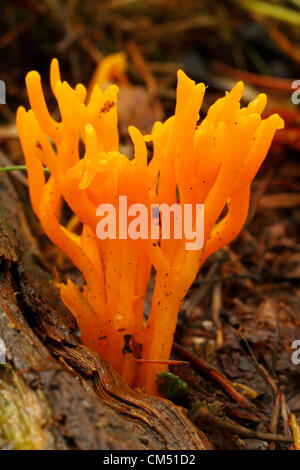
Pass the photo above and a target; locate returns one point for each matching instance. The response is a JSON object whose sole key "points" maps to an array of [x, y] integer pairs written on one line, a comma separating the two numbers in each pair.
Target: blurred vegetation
{"points": [[194, 34]]}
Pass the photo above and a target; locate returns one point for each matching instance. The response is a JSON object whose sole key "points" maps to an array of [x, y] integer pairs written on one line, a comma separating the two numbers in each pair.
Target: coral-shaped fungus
{"points": [[212, 163]]}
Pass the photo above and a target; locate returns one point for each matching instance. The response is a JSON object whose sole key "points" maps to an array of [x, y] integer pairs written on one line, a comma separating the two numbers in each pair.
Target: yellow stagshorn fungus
{"points": [[211, 163]]}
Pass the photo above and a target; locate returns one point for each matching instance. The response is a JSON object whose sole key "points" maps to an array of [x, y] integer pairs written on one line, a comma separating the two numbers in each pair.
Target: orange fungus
{"points": [[212, 163]]}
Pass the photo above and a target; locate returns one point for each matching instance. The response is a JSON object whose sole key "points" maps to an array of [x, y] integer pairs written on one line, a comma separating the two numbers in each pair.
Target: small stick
{"points": [[17, 168], [203, 415], [157, 361], [201, 292], [274, 418], [262, 81], [275, 414], [285, 44], [203, 366], [285, 412], [263, 371], [296, 431], [215, 311]]}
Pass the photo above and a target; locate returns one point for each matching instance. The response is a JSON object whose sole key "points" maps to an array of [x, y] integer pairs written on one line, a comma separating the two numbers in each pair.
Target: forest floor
{"points": [[242, 314]]}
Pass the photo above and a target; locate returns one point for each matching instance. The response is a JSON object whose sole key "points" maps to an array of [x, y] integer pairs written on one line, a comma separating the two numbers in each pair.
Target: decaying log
{"points": [[54, 392]]}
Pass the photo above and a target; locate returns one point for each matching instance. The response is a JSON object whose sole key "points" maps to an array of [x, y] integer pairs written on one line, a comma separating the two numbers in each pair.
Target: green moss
{"points": [[212, 407], [171, 386], [21, 418]]}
